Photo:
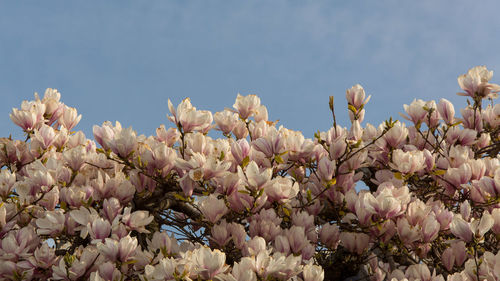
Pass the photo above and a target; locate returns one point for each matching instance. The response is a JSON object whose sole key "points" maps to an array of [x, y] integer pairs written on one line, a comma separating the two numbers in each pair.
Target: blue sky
{"points": [[122, 60]]}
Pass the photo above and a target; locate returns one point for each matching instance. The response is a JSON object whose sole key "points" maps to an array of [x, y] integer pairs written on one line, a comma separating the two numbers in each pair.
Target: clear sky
{"points": [[122, 60]]}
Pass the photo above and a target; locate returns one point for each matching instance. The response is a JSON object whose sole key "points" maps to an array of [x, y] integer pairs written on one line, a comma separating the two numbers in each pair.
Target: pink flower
{"points": [[53, 107], [75, 157], [238, 234], [281, 189], [417, 212], [430, 229], [240, 131], [407, 233], [208, 263], [330, 235], [99, 230], [44, 256], [7, 181], [108, 271], [326, 169], [461, 229], [244, 270], [28, 119], [407, 162], [69, 119], [118, 250], [355, 242], [416, 112], [459, 176], [261, 114], [266, 224], [384, 205], [255, 178], [220, 233], [418, 272], [448, 259], [471, 119], [255, 246], [297, 238], [246, 105], [103, 135], [167, 245], [273, 143], [226, 121], [356, 96], [170, 136], [281, 244], [446, 111], [313, 272], [52, 223], [45, 135], [124, 142], [396, 135], [137, 220], [213, 209], [3, 215], [475, 83], [356, 132], [240, 149], [189, 118]]}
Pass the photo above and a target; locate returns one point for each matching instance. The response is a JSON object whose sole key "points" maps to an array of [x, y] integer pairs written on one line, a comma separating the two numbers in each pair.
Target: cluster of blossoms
{"points": [[416, 201]]}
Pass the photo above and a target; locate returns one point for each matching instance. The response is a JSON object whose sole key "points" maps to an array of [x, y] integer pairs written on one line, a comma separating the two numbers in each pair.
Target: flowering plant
{"points": [[416, 201]]}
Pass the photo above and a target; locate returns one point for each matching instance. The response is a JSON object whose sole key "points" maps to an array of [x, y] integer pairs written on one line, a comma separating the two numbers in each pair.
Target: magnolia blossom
{"points": [[475, 83], [408, 162], [69, 118], [188, 117], [355, 242], [416, 111], [247, 105], [208, 263], [248, 199], [213, 209]]}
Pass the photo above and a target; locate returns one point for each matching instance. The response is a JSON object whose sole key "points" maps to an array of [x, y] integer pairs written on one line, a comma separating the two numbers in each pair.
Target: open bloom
{"points": [[408, 162], [52, 223], [384, 205], [476, 228], [246, 105], [355, 242], [209, 263], [189, 118], [213, 209], [475, 83]]}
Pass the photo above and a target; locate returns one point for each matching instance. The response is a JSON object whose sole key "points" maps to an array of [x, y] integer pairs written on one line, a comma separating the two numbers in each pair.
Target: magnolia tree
{"points": [[419, 201]]}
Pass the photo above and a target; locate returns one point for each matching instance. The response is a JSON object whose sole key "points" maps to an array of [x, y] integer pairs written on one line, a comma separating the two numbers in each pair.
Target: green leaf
{"points": [[398, 175], [260, 193], [245, 162], [352, 108], [309, 196], [278, 159], [331, 182], [286, 211], [438, 172], [179, 197]]}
